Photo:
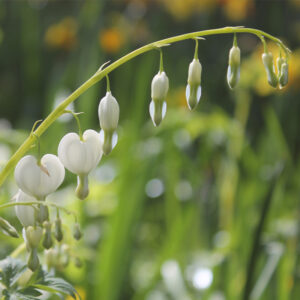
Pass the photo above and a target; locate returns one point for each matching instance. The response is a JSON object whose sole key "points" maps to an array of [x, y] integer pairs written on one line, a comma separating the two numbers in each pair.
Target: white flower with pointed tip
{"points": [[108, 112], [25, 213], [193, 88], [159, 91], [39, 179], [80, 156]]}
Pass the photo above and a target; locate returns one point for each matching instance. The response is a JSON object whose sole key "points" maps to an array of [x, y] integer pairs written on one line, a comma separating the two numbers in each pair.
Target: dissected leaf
{"points": [[12, 269]]}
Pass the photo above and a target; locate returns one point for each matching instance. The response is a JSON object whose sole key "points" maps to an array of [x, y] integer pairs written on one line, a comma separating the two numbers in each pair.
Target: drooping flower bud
{"points": [[283, 71], [193, 88], [267, 59], [33, 236], [234, 62], [159, 90], [58, 230], [77, 234], [39, 179], [42, 214], [8, 229], [47, 240], [33, 260], [25, 213], [108, 112]]}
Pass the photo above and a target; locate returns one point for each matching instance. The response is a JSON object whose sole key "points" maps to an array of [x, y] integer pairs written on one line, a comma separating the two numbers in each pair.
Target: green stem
{"points": [[196, 49], [59, 110], [75, 115], [45, 203], [161, 61], [107, 84]]}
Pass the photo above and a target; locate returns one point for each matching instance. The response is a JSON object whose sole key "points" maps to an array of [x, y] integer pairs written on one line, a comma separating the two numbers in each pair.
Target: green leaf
{"points": [[48, 282], [12, 269]]}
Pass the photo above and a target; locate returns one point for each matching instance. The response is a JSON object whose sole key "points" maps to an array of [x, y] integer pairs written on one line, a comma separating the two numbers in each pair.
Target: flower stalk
{"points": [[101, 73]]}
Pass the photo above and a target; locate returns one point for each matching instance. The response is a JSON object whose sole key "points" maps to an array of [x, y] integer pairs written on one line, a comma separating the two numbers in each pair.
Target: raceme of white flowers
{"points": [[81, 153]]}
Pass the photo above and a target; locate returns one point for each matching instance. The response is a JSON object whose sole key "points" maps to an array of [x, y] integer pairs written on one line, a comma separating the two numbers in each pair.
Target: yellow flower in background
{"points": [[111, 40], [62, 35], [237, 10]]}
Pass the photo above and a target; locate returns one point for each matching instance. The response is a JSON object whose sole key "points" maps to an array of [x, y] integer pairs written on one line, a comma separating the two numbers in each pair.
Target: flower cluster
{"points": [[37, 178], [81, 153]]}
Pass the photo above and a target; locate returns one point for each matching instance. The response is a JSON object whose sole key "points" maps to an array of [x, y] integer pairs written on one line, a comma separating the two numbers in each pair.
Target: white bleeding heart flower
{"points": [[80, 156], [108, 112], [25, 213], [193, 88], [159, 91], [39, 179]]}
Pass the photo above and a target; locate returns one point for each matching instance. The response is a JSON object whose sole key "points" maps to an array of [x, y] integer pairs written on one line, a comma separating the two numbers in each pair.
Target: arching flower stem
{"points": [[101, 73]]}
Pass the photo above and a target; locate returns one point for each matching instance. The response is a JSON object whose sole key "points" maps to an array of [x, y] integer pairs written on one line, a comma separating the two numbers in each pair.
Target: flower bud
{"points": [[42, 214], [80, 156], [159, 90], [283, 72], [270, 70], [33, 260], [8, 229], [193, 88], [39, 179], [77, 234], [25, 213], [159, 87], [33, 236], [47, 240], [58, 230], [108, 112], [233, 71]]}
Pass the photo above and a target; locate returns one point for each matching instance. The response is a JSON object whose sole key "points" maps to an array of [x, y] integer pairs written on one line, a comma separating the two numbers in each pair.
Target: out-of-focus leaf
{"points": [[12, 269], [47, 282]]}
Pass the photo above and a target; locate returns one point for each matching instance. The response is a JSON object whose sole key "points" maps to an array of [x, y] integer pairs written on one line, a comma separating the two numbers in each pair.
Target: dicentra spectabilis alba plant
{"points": [[80, 155], [159, 91], [108, 113], [37, 178], [193, 88]]}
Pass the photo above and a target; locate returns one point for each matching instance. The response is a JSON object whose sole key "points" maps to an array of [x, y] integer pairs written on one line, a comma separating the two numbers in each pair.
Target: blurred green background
{"points": [[204, 207]]}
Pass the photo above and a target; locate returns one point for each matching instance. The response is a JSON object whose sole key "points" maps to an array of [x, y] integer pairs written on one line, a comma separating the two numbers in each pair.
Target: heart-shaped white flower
{"points": [[39, 179], [25, 213], [80, 157]]}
